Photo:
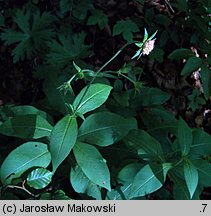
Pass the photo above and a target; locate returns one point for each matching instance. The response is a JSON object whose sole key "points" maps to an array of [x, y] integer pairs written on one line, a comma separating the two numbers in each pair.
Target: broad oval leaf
{"points": [[146, 145], [92, 164], [184, 136], [62, 139], [26, 126], [204, 172], [158, 120], [191, 65], [105, 128], [201, 145], [119, 193], [180, 190], [81, 184], [180, 54], [191, 177], [149, 179], [39, 178], [128, 173], [28, 110], [91, 97], [28, 155], [149, 97]]}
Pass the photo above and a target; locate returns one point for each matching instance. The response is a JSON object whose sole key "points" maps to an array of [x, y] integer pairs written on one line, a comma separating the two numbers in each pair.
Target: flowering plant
{"points": [[146, 46]]}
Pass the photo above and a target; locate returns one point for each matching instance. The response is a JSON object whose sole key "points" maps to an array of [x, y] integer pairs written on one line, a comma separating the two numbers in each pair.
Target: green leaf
{"points": [[147, 147], [55, 195], [81, 8], [192, 64], [28, 110], [26, 126], [119, 193], [128, 172], [24, 157], [204, 171], [66, 49], [184, 136], [180, 54], [149, 97], [158, 120], [39, 178], [180, 190], [91, 97], [206, 80], [191, 177], [162, 20], [92, 164], [98, 18], [126, 28], [81, 184], [65, 5], [105, 128], [2, 19], [62, 139], [149, 179], [182, 5], [201, 144], [35, 30]]}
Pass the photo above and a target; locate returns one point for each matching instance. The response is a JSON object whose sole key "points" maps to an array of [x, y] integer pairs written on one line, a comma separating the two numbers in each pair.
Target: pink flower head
{"points": [[148, 47]]}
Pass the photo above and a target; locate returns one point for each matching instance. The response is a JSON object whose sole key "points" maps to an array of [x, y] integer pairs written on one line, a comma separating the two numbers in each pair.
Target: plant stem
{"points": [[21, 188], [101, 68]]}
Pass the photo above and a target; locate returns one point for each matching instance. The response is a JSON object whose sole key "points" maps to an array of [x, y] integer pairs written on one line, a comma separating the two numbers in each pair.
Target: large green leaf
{"points": [[91, 97], [157, 119], [192, 64], [206, 80], [98, 17], [82, 184], [28, 155], [128, 172], [92, 164], [66, 48], [201, 145], [181, 53], [126, 28], [105, 128], [204, 171], [191, 177], [184, 136], [26, 126], [28, 110], [180, 190], [149, 179], [119, 193], [146, 145], [35, 30], [62, 139], [39, 178], [149, 97]]}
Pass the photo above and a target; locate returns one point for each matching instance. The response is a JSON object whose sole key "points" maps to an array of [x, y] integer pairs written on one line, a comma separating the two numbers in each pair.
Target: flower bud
{"points": [[148, 47]]}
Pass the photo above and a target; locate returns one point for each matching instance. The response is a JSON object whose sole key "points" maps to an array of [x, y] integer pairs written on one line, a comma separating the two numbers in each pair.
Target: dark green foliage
{"points": [[105, 100]]}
